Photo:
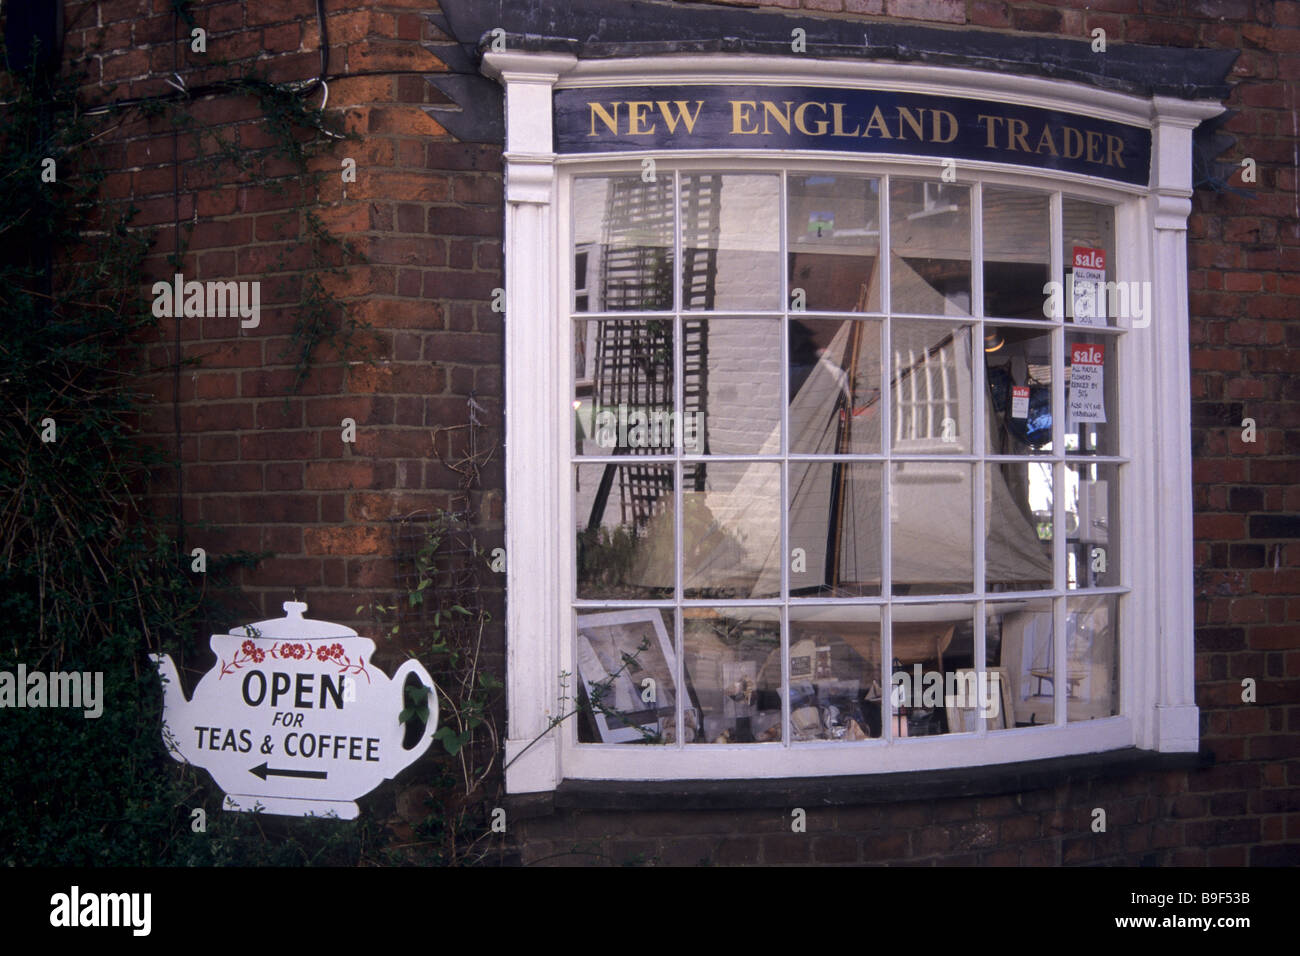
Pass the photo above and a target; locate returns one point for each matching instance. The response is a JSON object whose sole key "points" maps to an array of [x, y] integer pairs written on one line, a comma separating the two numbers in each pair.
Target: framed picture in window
{"points": [[626, 664]]}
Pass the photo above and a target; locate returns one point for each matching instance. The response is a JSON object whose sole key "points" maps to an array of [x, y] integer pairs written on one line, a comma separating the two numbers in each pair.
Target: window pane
{"points": [[1017, 252], [1092, 676], [733, 672], [931, 518], [834, 386], [731, 242], [1018, 642], [624, 229], [930, 387], [626, 404], [732, 384], [929, 228], [835, 691], [1091, 524], [616, 653], [1018, 526], [1018, 408], [833, 229], [1088, 233], [932, 643], [834, 522], [1092, 398], [625, 530], [731, 530]]}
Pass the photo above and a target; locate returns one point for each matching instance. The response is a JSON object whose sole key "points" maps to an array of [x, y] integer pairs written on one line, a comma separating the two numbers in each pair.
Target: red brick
{"points": [[344, 541], [339, 474]]}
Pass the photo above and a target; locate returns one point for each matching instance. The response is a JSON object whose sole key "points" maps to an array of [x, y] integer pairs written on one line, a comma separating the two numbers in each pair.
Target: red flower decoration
{"points": [[247, 647], [322, 653], [258, 655]]}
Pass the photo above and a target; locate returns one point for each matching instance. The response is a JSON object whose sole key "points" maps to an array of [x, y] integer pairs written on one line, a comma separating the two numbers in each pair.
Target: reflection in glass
{"points": [[834, 520], [834, 386], [1018, 642], [1091, 525], [1018, 526], [1018, 373], [1089, 409], [733, 670], [930, 269], [931, 519], [833, 242], [732, 383], [932, 647], [626, 403], [930, 388], [1017, 253], [835, 688], [623, 244], [1092, 669], [731, 532], [624, 541], [616, 652], [731, 255]]}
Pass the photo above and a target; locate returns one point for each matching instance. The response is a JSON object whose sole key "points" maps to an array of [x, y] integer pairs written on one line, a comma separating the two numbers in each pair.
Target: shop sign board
{"points": [[294, 718], [652, 118]]}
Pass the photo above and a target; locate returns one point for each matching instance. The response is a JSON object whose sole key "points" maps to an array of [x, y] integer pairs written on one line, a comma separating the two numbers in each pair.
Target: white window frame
{"points": [[1157, 696]]}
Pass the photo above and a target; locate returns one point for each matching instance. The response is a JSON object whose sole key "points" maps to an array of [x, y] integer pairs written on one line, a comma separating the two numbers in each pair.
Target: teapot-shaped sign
{"points": [[294, 719]]}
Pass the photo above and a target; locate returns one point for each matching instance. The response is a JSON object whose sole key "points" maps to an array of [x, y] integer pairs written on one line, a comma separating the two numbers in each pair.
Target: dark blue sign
{"points": [[639, 118]]}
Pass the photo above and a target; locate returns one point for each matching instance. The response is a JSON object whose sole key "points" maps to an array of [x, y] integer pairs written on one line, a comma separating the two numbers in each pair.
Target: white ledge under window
{"points": [[913, 340]]}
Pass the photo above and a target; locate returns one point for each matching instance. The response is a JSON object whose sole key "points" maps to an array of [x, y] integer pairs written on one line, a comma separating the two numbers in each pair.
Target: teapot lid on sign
{"points": [[294, 625]]}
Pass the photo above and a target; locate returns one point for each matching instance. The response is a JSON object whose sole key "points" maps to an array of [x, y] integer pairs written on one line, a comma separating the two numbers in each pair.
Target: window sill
{"points": [[861, 790]]}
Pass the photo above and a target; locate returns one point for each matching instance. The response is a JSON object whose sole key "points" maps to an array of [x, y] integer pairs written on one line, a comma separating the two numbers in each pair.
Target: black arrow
{"points": [[263, 772]]}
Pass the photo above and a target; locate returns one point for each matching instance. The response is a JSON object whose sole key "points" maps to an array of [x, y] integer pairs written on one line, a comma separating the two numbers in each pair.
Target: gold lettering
{"points": [[782, 119], [1046, 138], [905, 116], [636, 110], [837, 113], [991, 128], [1094, 139], [688, 119], [802, 124], [740, 114], [1073, 136], [935, 126], [610, 121], [877, 121], [1114, 149], [1016, 130]]}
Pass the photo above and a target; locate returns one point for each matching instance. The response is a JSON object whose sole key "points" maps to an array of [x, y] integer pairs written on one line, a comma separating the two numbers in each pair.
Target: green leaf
{"points": [[405, 715]]}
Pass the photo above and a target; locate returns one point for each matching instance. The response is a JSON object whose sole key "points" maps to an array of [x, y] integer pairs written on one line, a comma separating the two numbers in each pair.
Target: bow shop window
{"points": [[779, 511], [853, 466]]}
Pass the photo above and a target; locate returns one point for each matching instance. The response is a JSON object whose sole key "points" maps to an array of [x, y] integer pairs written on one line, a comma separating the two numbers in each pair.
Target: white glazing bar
{"points": [[679, 399], [1059, 534], [887, 448], [783, 242]]}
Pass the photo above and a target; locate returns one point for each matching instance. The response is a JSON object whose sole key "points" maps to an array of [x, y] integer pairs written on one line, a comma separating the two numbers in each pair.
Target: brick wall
{"points": [[266, 469]]}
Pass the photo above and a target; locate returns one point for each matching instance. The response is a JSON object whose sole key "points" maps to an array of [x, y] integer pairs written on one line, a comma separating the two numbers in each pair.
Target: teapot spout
{"points": [[174, 702]]}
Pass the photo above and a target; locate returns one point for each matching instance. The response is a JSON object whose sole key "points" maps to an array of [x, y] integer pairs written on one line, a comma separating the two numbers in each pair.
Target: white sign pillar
{"points": [[535, 400], [1175, 725]]}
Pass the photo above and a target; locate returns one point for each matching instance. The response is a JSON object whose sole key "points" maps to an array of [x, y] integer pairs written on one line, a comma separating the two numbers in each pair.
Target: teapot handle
{"points": [[398, 759]]}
